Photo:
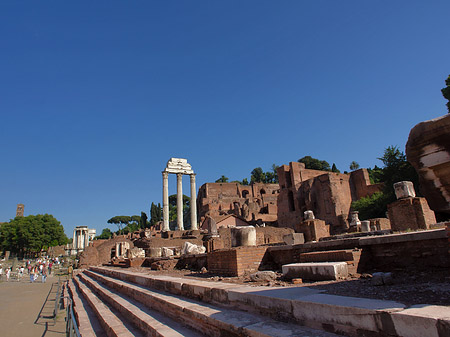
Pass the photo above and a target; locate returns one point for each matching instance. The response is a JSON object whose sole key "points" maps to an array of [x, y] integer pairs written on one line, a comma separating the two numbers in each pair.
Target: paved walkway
{"points": [[26, 309]]}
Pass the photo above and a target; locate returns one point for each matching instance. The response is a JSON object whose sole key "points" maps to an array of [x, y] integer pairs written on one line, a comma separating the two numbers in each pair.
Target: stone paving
{"points": [[26, 309]]}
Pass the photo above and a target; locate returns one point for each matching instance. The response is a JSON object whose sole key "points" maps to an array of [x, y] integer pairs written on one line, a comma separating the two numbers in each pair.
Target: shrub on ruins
{"points": [[315, 164], [374, 206], [31, 234], [222, 179], [446, 92], [395, 168]]}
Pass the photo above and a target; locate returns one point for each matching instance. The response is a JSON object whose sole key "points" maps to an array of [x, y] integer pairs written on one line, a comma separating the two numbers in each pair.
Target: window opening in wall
{"points": [[291, 201]]}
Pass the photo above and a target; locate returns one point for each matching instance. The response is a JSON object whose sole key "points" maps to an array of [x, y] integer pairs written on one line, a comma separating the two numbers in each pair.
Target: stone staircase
{"points": [[120, 302], [114, 306]]}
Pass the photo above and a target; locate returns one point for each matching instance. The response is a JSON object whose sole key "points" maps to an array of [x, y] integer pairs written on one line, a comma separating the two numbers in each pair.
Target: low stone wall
{"points": [[412, 251], [236, 261]]}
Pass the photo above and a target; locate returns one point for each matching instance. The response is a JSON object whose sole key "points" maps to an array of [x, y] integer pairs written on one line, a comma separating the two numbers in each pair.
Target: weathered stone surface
{"points": [[379, 279], [166, 252], [294, 239], [251, 203], [404, 189], [428, 150], [316, 270], [265, 275], [190, 248], [313, 230], [135, 252], [243, 236], [365, 226], [410, 213], [329, 195]]}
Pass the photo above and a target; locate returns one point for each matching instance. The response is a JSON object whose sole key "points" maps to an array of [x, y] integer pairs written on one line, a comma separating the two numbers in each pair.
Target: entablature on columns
{"points": [[178, 165]]}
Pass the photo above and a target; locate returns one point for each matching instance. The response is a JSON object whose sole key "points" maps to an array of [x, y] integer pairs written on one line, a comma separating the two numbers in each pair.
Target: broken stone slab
{"points": [[190, 248], [379, 279], [294, 239], [316, 271], [266, 275], [404, 189], [155, 252], [166, 252]]}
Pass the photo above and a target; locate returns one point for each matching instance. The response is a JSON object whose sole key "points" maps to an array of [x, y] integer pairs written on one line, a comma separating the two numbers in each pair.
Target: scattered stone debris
{"points": [[266, 276]]}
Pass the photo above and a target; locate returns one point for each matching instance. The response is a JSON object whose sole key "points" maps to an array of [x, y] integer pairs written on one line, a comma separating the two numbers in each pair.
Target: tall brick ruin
{"points": [[328, 194], [254, 203]]}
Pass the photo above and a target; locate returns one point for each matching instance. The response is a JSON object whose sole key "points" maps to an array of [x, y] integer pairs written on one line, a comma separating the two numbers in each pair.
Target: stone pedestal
{"points": [[243, 236], [313, 230], [365, 226], [410, 214]]}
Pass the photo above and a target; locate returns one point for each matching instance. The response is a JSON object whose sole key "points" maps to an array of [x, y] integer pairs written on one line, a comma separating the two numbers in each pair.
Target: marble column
{"points": [[86, 239], [180, 226], [165, 202], [74, 241], [193, 203]]}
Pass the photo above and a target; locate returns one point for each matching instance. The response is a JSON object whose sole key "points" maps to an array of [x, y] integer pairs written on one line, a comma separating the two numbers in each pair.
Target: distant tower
{"points": [[20, 208]]}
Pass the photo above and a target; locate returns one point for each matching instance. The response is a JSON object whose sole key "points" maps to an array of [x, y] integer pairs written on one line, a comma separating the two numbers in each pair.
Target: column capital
{"points": [[165, 174]]}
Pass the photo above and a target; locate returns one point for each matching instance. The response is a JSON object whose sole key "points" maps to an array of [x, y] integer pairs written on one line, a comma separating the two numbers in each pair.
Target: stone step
{"points": [[349, 316], [149, 322], [87, 322], [113, 325], [209, 319], [316, 271]]}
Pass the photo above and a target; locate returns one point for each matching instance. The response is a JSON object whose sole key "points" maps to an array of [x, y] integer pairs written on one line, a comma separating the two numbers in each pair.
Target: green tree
{"points": [[155, 214], [143, 220], [334, 168], [106, 234], [120, 221], [222, 179], [354, 166], [396, 168], [245, 181], [446, 92], [32, 234], [315, 164], [258, 176]]}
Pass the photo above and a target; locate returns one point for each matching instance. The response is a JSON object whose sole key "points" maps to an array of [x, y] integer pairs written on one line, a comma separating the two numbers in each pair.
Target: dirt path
{"points": [[26, 309]]}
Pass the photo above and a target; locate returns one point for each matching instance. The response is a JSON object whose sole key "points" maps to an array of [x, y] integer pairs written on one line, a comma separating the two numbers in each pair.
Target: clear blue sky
{"points": [[95, 97]]}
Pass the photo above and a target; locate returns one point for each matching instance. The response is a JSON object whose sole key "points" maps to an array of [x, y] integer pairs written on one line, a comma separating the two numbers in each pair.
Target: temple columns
{"points": [[180, 226], [193, 203], [165, 202]]}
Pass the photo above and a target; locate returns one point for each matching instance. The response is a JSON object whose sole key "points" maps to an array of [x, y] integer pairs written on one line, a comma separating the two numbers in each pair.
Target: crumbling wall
{"points": [[99, 251], [329, 195], [251, 202]]}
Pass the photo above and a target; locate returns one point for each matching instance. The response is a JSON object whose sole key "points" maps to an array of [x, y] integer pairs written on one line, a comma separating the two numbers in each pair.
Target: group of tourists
{"points": [[40, 267]]}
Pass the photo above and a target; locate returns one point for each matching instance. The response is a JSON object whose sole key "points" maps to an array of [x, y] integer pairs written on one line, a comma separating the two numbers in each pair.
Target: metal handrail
{"points": [[57, 299], [71, 323]]}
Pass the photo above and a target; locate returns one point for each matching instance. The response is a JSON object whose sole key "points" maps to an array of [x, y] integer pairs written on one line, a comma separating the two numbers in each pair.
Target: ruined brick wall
{"points": [[412, 251], [329, 195], [410, 213], [253, 202], [99, 252], [236, 261]]}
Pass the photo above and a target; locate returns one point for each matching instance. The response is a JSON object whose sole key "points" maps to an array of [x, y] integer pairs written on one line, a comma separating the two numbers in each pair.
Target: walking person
{"points": [[8, 274], [44, 274]]}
